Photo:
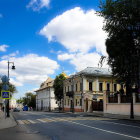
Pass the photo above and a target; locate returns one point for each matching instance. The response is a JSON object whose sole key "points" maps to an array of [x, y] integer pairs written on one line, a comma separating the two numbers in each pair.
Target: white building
{"points": [[12, 103], [45, 98]]}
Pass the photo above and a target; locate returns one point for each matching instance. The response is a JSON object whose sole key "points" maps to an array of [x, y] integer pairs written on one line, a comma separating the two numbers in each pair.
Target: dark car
{"points": [[16, 110]]}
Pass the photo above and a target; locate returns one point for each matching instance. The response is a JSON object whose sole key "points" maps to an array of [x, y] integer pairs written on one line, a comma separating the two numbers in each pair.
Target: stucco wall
{"points": [[120, 108], [45, 99]]}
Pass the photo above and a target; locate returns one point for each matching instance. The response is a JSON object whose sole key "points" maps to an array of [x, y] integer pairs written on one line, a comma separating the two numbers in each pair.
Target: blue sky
{"points": [[45, 37]]}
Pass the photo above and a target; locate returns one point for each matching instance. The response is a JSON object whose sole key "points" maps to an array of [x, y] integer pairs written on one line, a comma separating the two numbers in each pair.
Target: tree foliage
{"points": [[12, 88], [122, 23], [58, 87], [29, 100]]}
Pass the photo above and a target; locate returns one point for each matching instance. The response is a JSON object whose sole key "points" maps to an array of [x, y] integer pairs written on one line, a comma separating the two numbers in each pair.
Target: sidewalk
{"points": [[107, 115], [8, 122]]}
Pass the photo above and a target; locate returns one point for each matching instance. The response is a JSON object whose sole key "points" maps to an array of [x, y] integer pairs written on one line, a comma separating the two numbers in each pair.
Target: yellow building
{"points": [[83, 92]]}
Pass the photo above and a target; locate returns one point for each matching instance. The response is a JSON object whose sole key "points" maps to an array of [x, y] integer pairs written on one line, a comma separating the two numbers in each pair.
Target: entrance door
{"points": [[86, 104], [41, 104], [71, 106], [97, 105]]}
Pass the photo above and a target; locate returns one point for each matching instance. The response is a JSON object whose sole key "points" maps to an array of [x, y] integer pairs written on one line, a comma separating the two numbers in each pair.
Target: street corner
{"points": [[7, 122]]}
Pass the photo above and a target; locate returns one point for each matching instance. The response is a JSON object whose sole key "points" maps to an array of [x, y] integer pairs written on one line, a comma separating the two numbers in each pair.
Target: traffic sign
{"points": [[5, 87], [5, 79], [5, 94]]}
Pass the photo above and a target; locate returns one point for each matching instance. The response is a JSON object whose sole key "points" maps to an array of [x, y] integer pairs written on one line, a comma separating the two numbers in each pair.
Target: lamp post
{"points": [[13, 67]]}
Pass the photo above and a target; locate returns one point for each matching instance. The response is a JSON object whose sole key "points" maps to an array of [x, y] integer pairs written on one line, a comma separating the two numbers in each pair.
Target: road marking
{"points": [[26, 122], [31, 121], [41, 120], [49, 120], [20, 121], [112, 132], [121, 124]]}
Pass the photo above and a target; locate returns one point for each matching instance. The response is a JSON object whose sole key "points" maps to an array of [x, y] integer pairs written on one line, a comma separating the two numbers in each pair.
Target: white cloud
{"points": [[36, 5], [16, 83], [65, 56], [77, 30], [82, 60], [10, 55], [30, 69], [3, 48]]}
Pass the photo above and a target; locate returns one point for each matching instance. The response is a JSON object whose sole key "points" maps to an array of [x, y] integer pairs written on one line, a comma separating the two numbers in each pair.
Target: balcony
{"points": [[70, 93]]}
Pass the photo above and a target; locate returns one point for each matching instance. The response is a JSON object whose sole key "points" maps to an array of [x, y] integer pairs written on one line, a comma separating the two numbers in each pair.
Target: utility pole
{"points": [[7, 106]]}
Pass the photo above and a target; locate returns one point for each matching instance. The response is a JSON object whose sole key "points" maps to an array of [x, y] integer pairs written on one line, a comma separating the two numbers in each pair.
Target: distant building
{"points": [[13, 103], [45, 98], [83, 92]]}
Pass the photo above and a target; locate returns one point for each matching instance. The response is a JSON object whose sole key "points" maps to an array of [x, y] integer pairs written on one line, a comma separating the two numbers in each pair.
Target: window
{"points": [[71, 87], [80, 102], [68, 89], [121, 86], [76, 102], [65, 89], [108, 86], [90, 86], [68, 102], [115, 87], [100, 86]]}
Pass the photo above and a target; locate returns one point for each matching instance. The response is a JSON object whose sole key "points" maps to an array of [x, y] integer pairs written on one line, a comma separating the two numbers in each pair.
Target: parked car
{"points": [[25, 108], [16, 110]]}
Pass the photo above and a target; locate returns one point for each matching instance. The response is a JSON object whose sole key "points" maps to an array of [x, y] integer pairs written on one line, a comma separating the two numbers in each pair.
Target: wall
{"points": [[120, 108], [47, 98]]}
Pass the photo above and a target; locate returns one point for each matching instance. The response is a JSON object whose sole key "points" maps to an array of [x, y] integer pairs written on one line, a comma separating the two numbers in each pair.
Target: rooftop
{"points": [[95, 71]]}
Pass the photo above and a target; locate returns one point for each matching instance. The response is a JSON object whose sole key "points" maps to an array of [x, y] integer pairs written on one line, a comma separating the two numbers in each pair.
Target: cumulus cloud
{"points": [[3, 48], [77, 30], [65, 56], [10, 55], [82, 60], [36, 5], [30, 69]]}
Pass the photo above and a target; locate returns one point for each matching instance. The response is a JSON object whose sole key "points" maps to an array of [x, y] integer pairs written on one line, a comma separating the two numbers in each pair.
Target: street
{"points": [[66, 126]]}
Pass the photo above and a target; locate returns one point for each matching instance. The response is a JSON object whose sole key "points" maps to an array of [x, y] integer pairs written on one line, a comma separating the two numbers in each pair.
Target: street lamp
{"points": [[13, 68]]}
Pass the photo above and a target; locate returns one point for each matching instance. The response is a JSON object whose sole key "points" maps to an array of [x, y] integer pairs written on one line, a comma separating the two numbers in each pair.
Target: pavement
{"points": [[6, 122], [107, 115], [33, 125]]}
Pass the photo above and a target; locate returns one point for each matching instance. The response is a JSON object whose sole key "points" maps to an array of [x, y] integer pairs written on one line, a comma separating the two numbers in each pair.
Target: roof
{"points": [[46, 84], [95, 71], [65, 75]]}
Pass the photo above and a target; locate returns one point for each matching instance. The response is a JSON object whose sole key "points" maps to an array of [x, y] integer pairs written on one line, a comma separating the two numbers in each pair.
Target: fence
{"points": [[120, 104]]}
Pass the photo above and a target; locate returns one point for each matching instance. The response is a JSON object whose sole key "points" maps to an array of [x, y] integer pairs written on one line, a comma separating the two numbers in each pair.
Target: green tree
{"points": [[122, 23], [58, 87], [29, 100], [12, 88]]}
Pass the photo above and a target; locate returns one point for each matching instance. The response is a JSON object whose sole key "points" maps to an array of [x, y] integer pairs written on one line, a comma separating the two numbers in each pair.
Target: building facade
{"points": [[83, 92], [45, 98], [12, 103]]}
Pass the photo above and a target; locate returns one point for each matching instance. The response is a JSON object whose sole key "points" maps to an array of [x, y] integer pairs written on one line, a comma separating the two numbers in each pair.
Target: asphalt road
{"points": [[62, 126]]}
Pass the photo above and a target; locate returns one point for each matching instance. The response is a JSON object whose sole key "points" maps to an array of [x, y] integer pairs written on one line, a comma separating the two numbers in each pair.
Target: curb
{"points": [[12, 124], [14, 118], [111, 116]]}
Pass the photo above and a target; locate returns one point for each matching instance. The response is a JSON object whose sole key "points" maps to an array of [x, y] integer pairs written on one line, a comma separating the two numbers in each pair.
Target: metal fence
{"points": [[113, 99], [125, 99], [137, 98]]}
